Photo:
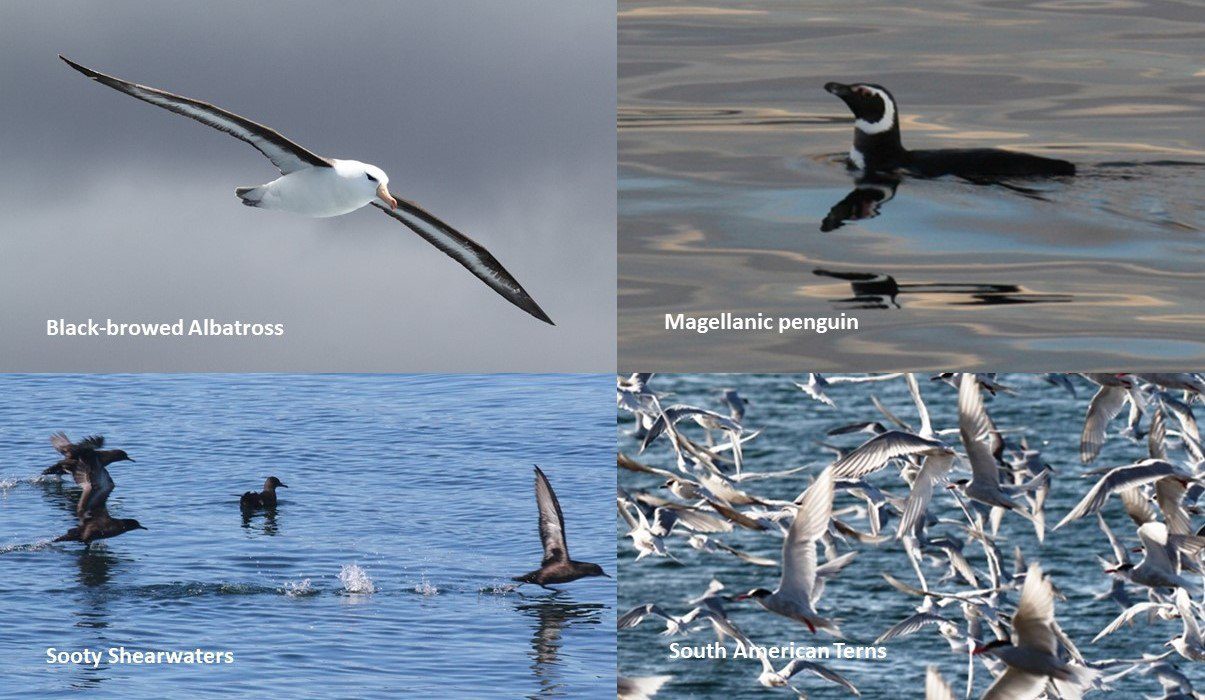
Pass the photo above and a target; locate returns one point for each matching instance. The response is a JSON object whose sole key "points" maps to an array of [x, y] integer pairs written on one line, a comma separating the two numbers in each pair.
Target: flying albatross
{"points": [[315, 186]]}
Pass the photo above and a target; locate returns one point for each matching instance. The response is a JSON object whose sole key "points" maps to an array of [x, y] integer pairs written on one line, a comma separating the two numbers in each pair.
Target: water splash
{"points": [[30, 547], [298, 589], [425, 587], [13, 481], [356, 580], [499, 588]]}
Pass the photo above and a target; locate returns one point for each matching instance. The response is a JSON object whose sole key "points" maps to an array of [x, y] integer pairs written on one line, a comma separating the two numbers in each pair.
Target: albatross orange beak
{"points": [[383, 193]]}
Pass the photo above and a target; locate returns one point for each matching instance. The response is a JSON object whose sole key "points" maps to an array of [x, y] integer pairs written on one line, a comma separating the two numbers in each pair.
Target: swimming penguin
{"points": [[264, 499], [92, 512], [556, 567], [877, 146], [70, 463]]}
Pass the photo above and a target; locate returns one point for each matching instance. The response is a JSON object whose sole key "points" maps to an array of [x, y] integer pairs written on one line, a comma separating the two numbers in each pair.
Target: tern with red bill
{"points": [[1031, 656], [802, 580], [316, 186]]}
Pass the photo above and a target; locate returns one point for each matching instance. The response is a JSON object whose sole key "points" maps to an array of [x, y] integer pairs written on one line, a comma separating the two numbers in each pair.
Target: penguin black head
{"points": [[873, 107], [877, 146]]}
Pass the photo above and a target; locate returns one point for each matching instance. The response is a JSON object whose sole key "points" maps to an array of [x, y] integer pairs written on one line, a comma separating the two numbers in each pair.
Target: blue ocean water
{"points": [[424, 483], [792, 424]]}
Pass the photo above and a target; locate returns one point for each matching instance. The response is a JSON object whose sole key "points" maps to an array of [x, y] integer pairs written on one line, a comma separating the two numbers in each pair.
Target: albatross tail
{"points": [[251, 196]]}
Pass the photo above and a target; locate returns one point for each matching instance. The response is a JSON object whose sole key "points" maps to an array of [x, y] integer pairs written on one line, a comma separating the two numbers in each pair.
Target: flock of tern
{"points": [[998, 617]]}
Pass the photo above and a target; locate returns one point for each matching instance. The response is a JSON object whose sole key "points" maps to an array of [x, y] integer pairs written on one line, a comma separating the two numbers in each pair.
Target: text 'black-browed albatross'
{"points": [[314, 186]]}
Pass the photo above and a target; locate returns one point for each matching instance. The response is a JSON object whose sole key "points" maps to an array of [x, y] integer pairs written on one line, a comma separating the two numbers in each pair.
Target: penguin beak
{"points": [[838, 89], [383, 194]]}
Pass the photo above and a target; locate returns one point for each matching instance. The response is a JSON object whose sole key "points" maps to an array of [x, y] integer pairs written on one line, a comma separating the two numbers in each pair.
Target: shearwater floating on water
{"points": [[316, 186], [556, 566], [264, 499]]}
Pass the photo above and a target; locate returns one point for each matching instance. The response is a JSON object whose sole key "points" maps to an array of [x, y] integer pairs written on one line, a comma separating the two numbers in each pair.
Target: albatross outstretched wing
{"points": [[464, 250], [552, 523], [284, 154]]}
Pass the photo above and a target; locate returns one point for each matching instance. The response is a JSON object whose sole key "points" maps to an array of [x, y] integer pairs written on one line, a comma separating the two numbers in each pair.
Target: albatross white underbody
{"points": [[315, 186]]}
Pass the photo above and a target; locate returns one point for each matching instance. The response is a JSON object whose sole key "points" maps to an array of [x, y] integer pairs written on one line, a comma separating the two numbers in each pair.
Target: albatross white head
{"points": [[366, 179]]}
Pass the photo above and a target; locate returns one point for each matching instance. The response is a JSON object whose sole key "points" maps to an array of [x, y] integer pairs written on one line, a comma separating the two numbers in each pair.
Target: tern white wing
{"points": [[799, 548], [1033, 622], [975, 426], [1105, 406], [935, 469], [1015, 684], [875, 453], [1119, 479]]}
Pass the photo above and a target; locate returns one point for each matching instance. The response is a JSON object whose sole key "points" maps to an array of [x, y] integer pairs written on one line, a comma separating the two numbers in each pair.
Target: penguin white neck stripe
{"points": [[884, 122]]}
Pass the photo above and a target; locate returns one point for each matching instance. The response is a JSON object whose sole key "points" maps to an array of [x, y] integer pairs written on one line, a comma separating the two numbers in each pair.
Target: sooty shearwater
{"points": [[556, 567], [92, 511], [877, 146], [264, 499], [70, 463]]}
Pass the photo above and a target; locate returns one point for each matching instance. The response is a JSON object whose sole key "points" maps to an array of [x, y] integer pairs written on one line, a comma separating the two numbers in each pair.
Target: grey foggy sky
{"points": [[496, 116]]}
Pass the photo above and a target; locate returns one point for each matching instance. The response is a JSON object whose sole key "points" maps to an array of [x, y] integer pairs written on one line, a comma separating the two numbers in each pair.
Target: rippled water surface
{"points": [[418, 489], [791, 424], [730, 167]]}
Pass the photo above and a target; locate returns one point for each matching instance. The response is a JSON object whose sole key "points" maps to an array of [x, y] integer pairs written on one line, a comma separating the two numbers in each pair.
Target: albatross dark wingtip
{"points": [[524, 301], [86, 71], [535, 310]]}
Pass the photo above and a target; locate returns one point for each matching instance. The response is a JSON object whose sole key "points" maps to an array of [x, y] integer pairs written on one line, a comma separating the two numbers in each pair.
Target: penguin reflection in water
{"points": [[879, 158], [86, 463], [556, 566], [875, 290]]}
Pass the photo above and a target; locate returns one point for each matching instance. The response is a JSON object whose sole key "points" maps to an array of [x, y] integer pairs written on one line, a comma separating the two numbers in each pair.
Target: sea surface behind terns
{"points": [[861, 600]]}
